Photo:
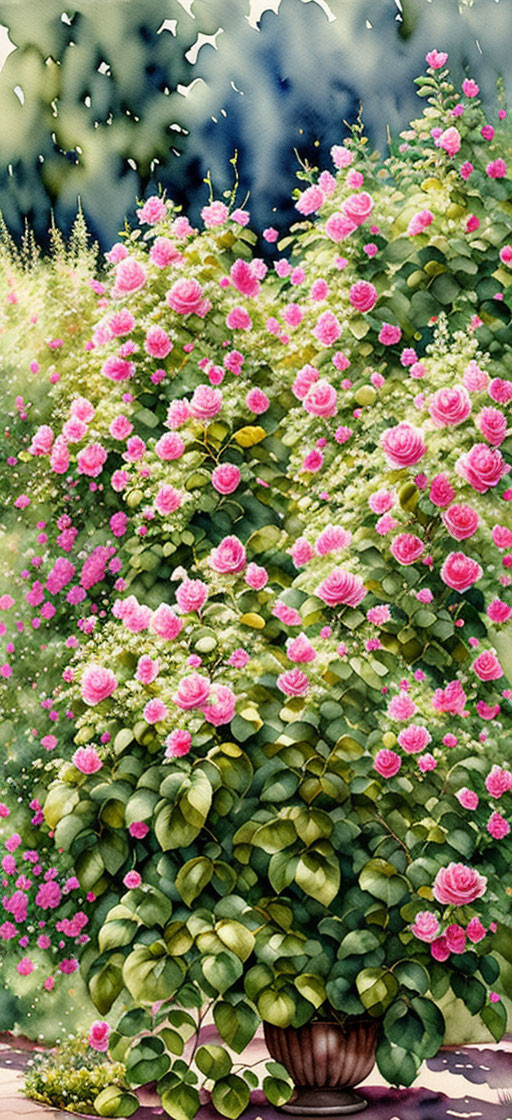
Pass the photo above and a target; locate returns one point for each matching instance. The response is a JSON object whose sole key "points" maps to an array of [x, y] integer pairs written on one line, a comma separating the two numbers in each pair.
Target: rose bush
{"points": [[265, 580]]}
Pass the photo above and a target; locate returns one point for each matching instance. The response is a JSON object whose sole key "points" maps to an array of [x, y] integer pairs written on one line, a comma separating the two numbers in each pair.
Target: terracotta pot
{"points": [[325, 1060]]}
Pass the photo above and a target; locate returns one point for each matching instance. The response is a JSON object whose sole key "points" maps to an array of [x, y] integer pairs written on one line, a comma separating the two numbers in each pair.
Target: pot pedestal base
{"points": [[324, 1102]]}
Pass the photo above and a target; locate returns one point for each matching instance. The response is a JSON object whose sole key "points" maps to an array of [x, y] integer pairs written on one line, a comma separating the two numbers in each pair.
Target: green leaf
{"points": [[106, 984], [277, 1091], [213, 1061], [150, 975], [114, 1101], [281, 870], [182, 1101], [382, 880], [276, 1007], [235, 937], [311, 988], [231, 1096], [358, 942], [193, 877], [222, 970], [237, 1025], [412, 975], [147, 1060], [275, 836], [318, 874], [396, 1064], [469, 990], [377, 988], [114, 934], [494, 1015], [133, 1022]]}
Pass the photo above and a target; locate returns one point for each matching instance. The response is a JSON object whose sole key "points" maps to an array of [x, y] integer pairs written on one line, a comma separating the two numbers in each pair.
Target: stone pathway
{"points": [[461, 1083]]}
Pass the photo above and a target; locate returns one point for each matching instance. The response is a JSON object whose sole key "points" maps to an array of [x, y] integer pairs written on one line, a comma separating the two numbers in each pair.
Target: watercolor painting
{"points": [[256, 559]]}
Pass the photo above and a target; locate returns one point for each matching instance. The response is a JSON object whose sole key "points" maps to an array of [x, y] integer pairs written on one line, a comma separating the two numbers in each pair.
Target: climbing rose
{"points": [[460, 572], [87, 760], [387, 763], [341, 588], [458, 885], [97, 684], [487, 667], [98, 1035], [425, 926], [403, 445]]}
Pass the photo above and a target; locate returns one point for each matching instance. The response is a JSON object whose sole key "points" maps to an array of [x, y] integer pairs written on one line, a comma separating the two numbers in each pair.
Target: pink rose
{"points": [[500, 390], [458, 885], [461, 521], [306, 377], [191, 595], [381, 501], [419, 222], [225, 478], [439, 949], [293, 683], [483, 467], [186, 298], [170, 446], [497, 826], [221, 707], [244, 279], [239, 319], [87, 760], [389, 334], [403, 445], [341, 588], [153, 210], [327, 329], [441, 491], [436, 59], [425, 926], [450, 407], [155, 711], [178, 743], [475, 931], [455, 938], [91, 460], [498, 782], [414, 738], [475, 379], [358, 207], [301, 552], [164, 252], [498, 611], [487, 667], [192, 692], [157, 343], [401, 707], [42, 441], [496, 169], [406, 548], [387, 763], [256, 577], [147, 669], [460, 572], [97, 684], [449, 140], [321, 399], [98, 1035], [228, 556], [206, 402], [332, 539], [168, 500], [257, 401], [363, 296], [450, 699], [165, 622], [132, 880], [493, 425], [299, 649], [467, 798], [339, 226], [130, 276]]}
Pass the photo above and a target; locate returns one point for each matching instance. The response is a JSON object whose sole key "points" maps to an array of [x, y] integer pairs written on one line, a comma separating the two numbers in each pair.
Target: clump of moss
{"points": [[71, 1076]]}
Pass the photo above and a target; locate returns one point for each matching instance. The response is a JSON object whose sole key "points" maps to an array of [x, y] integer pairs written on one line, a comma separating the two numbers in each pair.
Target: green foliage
{"points": [[78, 1079]]}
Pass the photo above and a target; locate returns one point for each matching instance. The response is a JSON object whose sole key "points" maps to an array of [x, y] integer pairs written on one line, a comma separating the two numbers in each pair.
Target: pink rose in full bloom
{"points": [[458, 885], [256, 577], [147, 669], [186, 298], [467, 798], [449, 140], [498, 782], [381, 501], [475, 931], [178, 743], [482, 466], [225, 478], [460, 572], [331, 539], [228, 556], [306, 377], [406, 548], [153, 210], [300, 649], [97, 684], [403, 445], [419, 222], [450, 407], [191, 595], [206, 402], [500, 390], [169, 447], [497, 826], [163, 253], [165, 622], [293, 682], [301, 552], [439, 948], [321, 399], [451, 699], [244, 279], [441, 491], [130, 276], [358, 207], [192, 692], [87, 760], [98, 1035], [257, 401], [42, 441], [91, 460], [502, 536], [487, 667], [155, 711], [425, 926], [221, 705], [339, 226], [498, 611], [327, 329], [341, 588], [363, 295], [493, 425], [239, 319], [436, 59], [475, 379], [387, 763], [496, 169], [157, 343], [167, 500], [460, 521], [132, 880], [401, 707], [414, 738]]}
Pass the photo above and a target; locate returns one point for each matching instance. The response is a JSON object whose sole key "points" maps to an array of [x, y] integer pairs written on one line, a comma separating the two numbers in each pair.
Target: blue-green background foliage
{"points": [[94, 104]]}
